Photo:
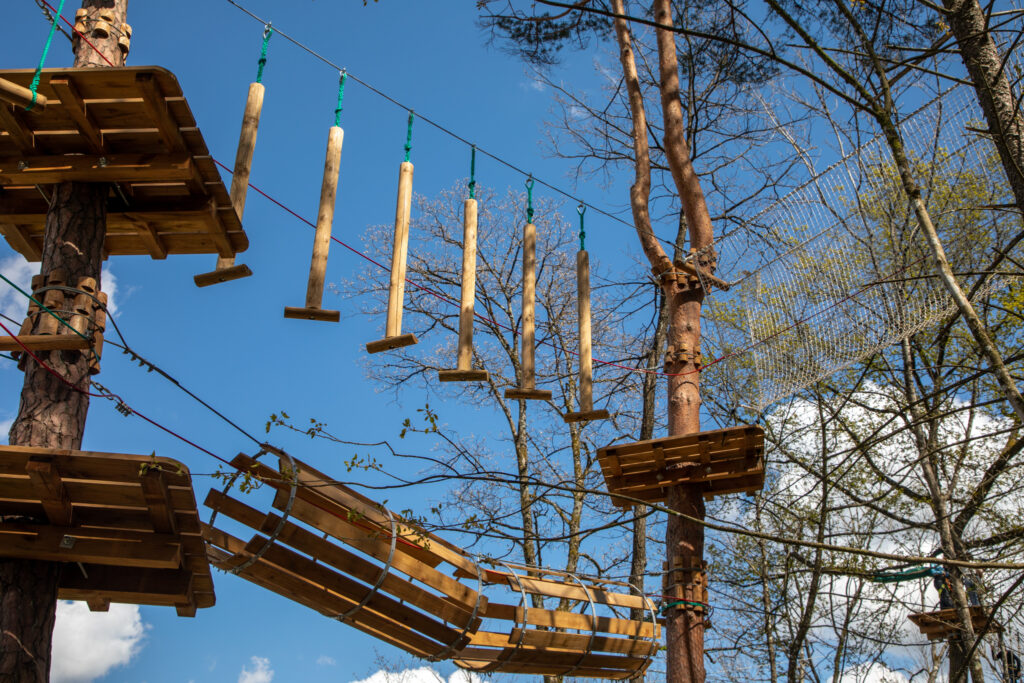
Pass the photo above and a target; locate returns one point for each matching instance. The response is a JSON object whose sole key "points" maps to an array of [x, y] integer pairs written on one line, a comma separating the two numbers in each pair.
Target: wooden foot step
{"points": [[462, 375], [215, 277], [528, 394], [312, 313], [388, 343], [586, 416]]}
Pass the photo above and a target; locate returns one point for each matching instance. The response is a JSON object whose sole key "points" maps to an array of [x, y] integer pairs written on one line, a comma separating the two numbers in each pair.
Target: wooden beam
{"points": [[50, 489], [21, 96], [218, 232], [75, 106], [46, 342], [158, 500], [11, 121], [156, 107], [21, 242], [151, 238], [96, 546], [115, 168]]}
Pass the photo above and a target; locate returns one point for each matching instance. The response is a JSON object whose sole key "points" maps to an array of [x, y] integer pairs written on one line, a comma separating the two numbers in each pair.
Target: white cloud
{"points": [[87, 645], [259, 673], [423, 674], [874, 672], [324, 660], [5, 427]]}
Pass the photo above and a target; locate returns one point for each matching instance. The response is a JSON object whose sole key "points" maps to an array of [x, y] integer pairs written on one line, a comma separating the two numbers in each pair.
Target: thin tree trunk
{"points": [[51, 414]]}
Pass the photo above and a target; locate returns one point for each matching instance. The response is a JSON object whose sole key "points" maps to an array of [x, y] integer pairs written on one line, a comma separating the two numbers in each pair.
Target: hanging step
{"points": [[942, 624], [722, 461], [126, 524], [132, 127]]}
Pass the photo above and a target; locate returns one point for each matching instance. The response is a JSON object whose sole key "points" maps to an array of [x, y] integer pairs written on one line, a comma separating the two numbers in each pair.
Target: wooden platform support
{"points": [[129, 126], [226, 269], [464, 371], [943, 623], [126, 524], [351, 559], [721, 461], [528, 389], [82, 308], [393, 337], [322, 239], [20, 96], [586, 412]]}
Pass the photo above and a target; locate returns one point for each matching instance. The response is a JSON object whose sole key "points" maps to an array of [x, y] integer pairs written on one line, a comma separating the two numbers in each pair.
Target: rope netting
{"points": [[837, 269]]}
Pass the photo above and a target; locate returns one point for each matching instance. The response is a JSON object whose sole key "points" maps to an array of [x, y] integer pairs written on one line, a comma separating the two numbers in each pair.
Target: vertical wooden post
{"points": [[226, 269], [322, 239], [464, 371], [393, 337], [527, 388], [586, 411]]}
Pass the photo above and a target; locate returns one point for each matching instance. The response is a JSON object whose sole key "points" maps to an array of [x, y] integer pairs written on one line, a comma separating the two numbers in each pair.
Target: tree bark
{"points": [[51, 414]]}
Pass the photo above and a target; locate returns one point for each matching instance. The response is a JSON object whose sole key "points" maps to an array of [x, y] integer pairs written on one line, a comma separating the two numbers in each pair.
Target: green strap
{"points": [[341, 98], [676, 603], [472, 173], [529, 199], [42, 306], [582, 209], [42, 59], [267, 32], [408, 136]]}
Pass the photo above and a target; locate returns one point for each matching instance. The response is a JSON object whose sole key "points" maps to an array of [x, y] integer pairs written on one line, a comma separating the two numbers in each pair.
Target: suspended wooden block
{"points": [[226, 269], [722, 461], [586, 412], [83, 308], [528, 389], [393, 337], [464, 371], [127, 524], [322, 239], [349, 558], [20, 96], [129, 126], [942, 624], [595, 637]]}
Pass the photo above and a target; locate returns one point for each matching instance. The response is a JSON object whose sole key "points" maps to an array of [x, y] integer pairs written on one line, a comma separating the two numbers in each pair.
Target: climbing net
{"points": [[837, 270]]}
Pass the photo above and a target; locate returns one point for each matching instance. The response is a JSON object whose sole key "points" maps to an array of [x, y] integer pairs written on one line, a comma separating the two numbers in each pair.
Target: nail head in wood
{"points": [[389, 343]]}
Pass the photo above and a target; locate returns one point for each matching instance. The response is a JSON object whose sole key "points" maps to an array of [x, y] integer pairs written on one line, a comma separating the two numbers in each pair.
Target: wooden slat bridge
{"points": [[722, 461], [126, 526], [347, 557], [131, 127]]}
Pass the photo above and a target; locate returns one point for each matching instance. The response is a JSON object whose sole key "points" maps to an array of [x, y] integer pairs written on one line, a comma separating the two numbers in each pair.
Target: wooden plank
{"points": [[47, 543], [20, 134], [50, 490], [106, 467], [122, 584], [151, 238], [21, 242], [95, 168], [45, 342], [561, 619], [93, 493], [554, 663], [156, 107], [158, 500], [576, 592], [74, 105]]}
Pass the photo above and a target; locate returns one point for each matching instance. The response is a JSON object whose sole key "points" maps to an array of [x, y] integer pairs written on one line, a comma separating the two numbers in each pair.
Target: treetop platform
{"points": [[944, 623], [722, 461], [131, 127], [126, 526]]}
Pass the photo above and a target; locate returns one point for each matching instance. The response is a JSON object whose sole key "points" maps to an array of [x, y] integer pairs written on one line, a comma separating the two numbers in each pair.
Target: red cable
{"points": [[80, 34]]}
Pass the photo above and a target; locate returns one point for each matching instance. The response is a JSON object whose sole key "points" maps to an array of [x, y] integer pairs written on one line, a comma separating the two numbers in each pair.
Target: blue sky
{"points": [[229, 343]]}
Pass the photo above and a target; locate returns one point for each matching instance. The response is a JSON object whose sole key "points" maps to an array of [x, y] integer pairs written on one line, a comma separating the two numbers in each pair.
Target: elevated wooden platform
{"points": [[129, 126], [346, 557], [722, 461], [942, 624], [127, 525]]}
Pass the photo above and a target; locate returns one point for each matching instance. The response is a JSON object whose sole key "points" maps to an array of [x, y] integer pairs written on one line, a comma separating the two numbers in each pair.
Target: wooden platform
{"points": [[342, 555], [722, 461], [126, 525], [130, 126], [943, 623]]}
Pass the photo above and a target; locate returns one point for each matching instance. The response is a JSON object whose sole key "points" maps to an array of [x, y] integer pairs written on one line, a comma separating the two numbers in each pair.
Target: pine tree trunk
{"points": [[52, 414]]}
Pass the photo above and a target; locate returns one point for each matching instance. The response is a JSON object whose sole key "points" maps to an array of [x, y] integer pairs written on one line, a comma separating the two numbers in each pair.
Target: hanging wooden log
{"points": [[20, 96], [586, 411], [322, 240], [464, 371], [226, 269], [393, 337], [528, 389]]}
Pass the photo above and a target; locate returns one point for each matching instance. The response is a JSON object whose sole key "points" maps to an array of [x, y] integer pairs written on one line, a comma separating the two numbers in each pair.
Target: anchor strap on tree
{"points": [[42, 59]]}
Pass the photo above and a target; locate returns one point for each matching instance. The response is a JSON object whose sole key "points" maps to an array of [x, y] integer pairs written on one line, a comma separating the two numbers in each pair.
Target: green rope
{"points": [[341, 98], [408, 136], [529, 199], [669, 605], [581, 209], [267, 32], [42, 59], [472, 173]]}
